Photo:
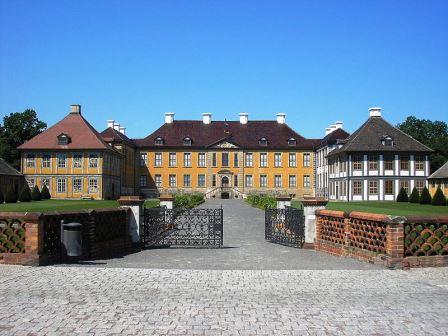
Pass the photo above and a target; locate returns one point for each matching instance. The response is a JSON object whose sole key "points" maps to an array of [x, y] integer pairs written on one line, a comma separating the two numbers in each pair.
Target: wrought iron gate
{"points": [[182, 228], [285, 226]]}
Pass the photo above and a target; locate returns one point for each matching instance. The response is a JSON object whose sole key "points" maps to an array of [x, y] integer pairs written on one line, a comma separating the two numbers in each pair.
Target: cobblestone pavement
{"points": [[245, 249], [119, 301]]}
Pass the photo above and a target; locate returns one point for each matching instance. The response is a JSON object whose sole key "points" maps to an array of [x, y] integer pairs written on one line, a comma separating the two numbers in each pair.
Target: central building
{"points": [[225, 159]]}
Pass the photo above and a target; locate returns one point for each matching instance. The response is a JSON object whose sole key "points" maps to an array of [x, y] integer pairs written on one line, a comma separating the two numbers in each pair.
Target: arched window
{"points": [[159, 141], [292, 142], [263, 141]]}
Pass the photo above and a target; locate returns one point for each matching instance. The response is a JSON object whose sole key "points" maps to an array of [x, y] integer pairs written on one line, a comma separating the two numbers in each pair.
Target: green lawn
{"points": [[386, 208], [69, 205]]}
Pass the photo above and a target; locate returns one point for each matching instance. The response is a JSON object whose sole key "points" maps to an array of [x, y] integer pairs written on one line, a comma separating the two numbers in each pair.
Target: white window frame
{"points": [[143, 159], [93, 185], [277, 159], [77, 190], [93, 161], [248, 181], [307, 159], [61, 185], [263, 181], [187, 160], [249, 160], [278, 181], [62, 161], [158, 159], [292, 178], [172, 160], [292, 160], [158, 180], [200, 184], [201, 159], [263, 160], [77, 160], [46, 160], [172, 180], [187, 181]]}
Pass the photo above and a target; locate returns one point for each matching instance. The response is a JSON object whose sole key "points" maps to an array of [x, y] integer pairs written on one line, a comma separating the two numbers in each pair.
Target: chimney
{"points": [[244, 118], [122, 130], [375, 111], [117, 126], [169, 117], [339, 124], [75, 109], [332, 128], [327, 130], [207, 118], [281, 118], [110, 123]]}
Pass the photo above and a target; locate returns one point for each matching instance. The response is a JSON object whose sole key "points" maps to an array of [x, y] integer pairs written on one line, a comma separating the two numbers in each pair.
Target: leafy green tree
{"points": [[45, 193], [402, 196], [439, 198], [25, 194], [35, 194], [17, 128], [425, 197], [415, 196], [433, 134], [11, 196]]}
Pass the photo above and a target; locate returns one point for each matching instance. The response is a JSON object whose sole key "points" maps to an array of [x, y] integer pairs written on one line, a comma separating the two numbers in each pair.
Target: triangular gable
{"points": [[224, 143]]}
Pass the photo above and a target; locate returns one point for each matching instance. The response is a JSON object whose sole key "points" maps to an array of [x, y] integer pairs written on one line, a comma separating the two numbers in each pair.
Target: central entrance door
{"points": [[225, 183]]}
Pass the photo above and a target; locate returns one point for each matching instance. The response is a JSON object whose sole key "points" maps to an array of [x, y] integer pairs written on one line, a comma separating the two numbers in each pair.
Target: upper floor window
{"points": [[419, 162], [187, 141], [292, 160], [306, 159], [77, 160], [143, 159], [63, 139], [357, 162], [387, 141], [93, 161], [277, 159], [46, 161], [263, 159], [263, 142], [249, 160], [373, 162], [404, 163], [388, 163], [172, 160], [214, 160], [62, 160], [201, 159], [158, 160], [30, 160], [187, 159], [292, 142], [225, 159], [235, 160], [158, 141]]}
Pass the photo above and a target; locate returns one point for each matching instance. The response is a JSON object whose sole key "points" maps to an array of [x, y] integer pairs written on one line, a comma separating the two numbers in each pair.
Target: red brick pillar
{"points": [[347, 233], [34, 239], [395, 245]]}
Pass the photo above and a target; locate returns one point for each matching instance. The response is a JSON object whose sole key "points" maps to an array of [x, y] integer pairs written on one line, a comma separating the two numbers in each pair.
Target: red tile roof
{"points": [[242, 135], [81, 133], [110, 134]]}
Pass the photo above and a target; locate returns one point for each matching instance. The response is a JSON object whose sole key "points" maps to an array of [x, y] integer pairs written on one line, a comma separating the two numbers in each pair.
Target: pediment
{"points": [[225, 144]]}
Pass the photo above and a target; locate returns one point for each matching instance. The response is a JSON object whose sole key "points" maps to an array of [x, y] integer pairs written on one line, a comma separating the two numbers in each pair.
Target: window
{"points": [[187, 159], [306, 181], [225, 159], [263, 159], [30, 161], [292, 181], [292, 160], [187, 141], [373, 187], [201, 180], [292, 142], [93, 185], [45, 182], [249, 160], [214, 160], [277, 159], [263, 181], [404, 163], [235, 160], [213, 180], [187, 180], [158, 160], [77, 160], [306, 159], [357, 188], [93, 161], [61, 185], [46, 161], [77, 185], [419, 163], [63, 139], [143, 180], [405, 185], [158, 141], [172, 160], [62, 160], [373, 162], [389, 187], [388, 163], [249, 181], [419, 185], [158, 180], [201, 159], [235, 180], [387, 141], [277, 181], [143, 159], [172, 180], [31, 182], [357, 162], [263, 142]]}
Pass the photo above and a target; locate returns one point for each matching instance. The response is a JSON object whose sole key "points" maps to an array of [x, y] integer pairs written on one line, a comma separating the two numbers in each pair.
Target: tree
{"points": [[425, 197], [439, 198], [11, 196], [415, 196], [402, 196], [25, 194], [17, 128], [45, 193], [2, 198], [35, 194], [433, 134]]}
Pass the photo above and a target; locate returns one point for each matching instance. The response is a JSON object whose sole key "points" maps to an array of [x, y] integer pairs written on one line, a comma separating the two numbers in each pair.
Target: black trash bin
{"points": [[71, 238]]}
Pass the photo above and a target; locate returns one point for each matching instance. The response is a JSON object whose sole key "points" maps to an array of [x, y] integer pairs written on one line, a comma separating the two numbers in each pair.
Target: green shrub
{"points": [[196, 199], [261, 201], [25, 194], [415, 196], [2, 198], [181, 201], [402, 196], [11, 196], [35, 194], [45, 193], [439, 198], [188, 201], [425, 197]]}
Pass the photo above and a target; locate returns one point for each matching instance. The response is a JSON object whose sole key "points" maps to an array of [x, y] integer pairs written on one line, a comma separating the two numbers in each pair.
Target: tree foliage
{"points": [[25, 194], [2, 198], [425, 197], [415, 196], [35, 194], [433, 134], [45, 193], [439, 198], [17, 128], [402, 196], [11, 196]]}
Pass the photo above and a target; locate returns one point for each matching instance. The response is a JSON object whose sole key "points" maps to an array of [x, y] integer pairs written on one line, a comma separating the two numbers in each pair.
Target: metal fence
{"points": [[285, 226]]}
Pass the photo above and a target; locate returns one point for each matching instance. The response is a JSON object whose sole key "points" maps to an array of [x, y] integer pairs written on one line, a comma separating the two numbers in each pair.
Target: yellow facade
{"points": [[127, 168], [438, 183]]}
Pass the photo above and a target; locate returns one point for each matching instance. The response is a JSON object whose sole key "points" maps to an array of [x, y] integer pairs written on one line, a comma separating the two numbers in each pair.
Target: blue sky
{"points": [[317, 61]]}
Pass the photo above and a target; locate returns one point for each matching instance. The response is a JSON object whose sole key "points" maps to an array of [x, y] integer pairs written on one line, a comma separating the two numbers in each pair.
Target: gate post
{"points": [[135, 203], [309, 210], [166, 200], [283, 201]]}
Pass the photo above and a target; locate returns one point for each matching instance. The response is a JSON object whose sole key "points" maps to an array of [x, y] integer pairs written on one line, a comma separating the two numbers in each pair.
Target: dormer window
{"points": [[292, 142], [387, 141], [187, 141], [63, 139], [159, 141], [263, 142]]}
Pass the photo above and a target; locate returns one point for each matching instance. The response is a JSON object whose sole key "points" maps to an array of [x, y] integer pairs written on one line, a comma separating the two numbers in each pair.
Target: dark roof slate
{"points": [[111, 134], [334, 137], [7, 169], [441, 173], [368, 138], [242, 135]]}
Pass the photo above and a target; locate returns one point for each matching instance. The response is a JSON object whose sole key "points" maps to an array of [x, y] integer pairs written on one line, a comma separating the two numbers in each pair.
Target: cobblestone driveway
{"points": [[99, 301]]}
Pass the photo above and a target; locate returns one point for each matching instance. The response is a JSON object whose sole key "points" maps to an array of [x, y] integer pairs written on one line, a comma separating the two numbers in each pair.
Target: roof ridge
{"points": [[404, 133], [95, 132], [355, 134]]}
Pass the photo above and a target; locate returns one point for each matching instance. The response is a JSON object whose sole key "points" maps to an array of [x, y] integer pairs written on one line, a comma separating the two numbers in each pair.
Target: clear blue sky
{"points": [[317, 61]]}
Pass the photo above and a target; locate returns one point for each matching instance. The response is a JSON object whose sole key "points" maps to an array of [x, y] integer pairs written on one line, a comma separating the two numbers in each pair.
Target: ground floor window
{"points": [[389, 187], [214, 180], [292, 181], [158, 180], [277, 181], [263, 181], [31, 182], [343, 188], [93, 185], [77, 185], [143, 180], [420, 184], [45, 182], [61, 185], [357, 188], [187, 180], [405, 185], [373, 187], [201, 180], [235, 181], [306, 181], [172, 180], [249, 181]]}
